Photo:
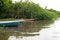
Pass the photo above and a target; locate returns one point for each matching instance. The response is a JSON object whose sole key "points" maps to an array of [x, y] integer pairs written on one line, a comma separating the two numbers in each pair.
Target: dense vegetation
{"points": [[58, 12], [25, 10]]}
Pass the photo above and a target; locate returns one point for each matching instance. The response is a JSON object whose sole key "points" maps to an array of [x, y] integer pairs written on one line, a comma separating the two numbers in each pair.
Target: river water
{"points": [[38, 30], [47, 30]]}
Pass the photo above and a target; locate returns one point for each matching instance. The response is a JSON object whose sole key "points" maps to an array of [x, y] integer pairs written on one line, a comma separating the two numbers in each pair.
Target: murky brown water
{"points": [[38, 30]]}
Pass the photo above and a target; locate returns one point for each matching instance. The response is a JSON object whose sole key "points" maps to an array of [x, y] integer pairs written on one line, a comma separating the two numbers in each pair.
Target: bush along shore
{"points": [[26, 10]]}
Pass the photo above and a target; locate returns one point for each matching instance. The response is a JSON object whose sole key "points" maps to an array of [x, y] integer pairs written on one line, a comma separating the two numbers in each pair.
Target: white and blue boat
{"points": [[11, 23]]}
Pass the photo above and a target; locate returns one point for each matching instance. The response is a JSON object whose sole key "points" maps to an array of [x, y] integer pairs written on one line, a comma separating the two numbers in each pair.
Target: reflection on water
{"points": [[27, 31], [31, 27], [52, 33]]}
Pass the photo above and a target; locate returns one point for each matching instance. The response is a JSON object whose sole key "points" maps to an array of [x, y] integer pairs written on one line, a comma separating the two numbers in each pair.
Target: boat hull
{"points": [[9, 24]]}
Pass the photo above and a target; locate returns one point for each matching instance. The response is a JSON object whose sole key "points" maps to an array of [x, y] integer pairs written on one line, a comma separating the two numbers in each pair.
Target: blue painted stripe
{"points": [[10, 24]]}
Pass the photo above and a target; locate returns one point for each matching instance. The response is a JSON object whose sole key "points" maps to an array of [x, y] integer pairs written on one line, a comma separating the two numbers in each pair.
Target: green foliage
{"points": [[4, 4], [58, 12], [25, 10]]}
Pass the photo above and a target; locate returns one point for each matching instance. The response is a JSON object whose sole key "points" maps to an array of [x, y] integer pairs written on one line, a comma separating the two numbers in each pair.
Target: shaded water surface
{"points": [[37, 30]]}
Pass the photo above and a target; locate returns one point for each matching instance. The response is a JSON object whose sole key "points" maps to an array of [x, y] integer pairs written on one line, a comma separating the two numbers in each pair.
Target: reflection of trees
{"points": [[35, 26], [26, 34], [25, 29], [5, 35], [31, 27]]}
